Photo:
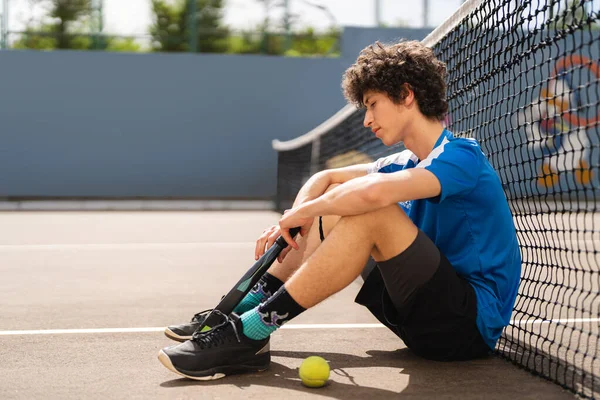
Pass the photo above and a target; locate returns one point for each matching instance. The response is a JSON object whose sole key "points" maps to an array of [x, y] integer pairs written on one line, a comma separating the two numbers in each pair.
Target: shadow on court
{"points": [[279, 375], [419, 378]]}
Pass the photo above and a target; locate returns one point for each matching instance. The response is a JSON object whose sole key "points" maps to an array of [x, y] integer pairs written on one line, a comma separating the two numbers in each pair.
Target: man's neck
{"points": [[424, 134]]}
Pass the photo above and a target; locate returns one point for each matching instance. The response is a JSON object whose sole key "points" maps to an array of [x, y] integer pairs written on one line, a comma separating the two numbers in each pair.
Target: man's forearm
{"points": [[372, 192], [351, 198], [313, 188], [320, 182]]}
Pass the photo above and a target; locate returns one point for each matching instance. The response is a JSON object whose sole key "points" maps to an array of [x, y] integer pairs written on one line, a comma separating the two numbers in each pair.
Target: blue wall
{"points": [[355, 39], [87, 124]]}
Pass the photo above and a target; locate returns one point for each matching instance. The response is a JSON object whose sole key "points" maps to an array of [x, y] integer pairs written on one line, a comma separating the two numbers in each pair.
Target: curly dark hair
{"points": [[388, 68]]}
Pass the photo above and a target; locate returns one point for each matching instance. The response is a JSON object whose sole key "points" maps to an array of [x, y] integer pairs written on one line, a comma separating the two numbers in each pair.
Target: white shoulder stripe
{"points": [[397, 158], [434, 154]]}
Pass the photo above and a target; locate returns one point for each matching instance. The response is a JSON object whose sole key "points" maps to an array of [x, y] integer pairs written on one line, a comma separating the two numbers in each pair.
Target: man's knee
{"points": [[389, 228], [332, 186], [391, 215], [369, 267], [326, 223]]}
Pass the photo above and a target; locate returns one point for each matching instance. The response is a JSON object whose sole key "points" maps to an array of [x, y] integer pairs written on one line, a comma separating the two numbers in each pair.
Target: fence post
{"points": [[4, 27], [193, 28]]}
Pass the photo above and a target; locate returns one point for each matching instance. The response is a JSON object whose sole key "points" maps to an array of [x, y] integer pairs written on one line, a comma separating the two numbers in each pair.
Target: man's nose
{"points": [[368, 119]]}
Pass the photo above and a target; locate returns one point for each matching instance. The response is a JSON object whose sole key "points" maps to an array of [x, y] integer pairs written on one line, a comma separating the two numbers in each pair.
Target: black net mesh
{"points": [[348, 143], [523, 80]]}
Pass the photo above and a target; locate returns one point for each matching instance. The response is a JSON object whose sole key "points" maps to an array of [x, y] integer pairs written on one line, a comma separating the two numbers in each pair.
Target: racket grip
{"points": [[281, 241]]}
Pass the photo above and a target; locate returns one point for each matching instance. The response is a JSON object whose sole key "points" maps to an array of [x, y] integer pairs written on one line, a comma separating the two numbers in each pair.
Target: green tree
{"points": [[40, 38], [305, 43], [211, 34], [123, 44], [70, 15], [167, 30], [176, 22], [308, 42], [247, 42], [61, 26]]}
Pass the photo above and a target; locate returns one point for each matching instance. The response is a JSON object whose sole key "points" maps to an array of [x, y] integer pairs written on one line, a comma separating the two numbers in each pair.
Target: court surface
{"points": [[85, 295]]}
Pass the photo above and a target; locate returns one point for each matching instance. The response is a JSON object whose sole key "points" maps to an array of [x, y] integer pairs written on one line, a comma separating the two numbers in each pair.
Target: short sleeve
{"points": [[392, 163], [456, 164]]}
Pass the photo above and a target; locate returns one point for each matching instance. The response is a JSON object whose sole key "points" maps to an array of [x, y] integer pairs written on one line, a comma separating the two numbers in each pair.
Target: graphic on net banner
{"points": [[562, 123]]}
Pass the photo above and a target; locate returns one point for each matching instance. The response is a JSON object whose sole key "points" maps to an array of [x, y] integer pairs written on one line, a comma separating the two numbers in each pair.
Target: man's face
{"points": [[386, 119]]}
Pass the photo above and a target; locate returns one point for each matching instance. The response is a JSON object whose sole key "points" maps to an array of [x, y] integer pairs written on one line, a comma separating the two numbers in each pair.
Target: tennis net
{"points": [[523, 79]]}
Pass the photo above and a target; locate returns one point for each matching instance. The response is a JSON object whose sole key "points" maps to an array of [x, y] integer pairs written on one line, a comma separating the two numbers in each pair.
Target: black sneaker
{"points": [[224, 350], [184, 332]]}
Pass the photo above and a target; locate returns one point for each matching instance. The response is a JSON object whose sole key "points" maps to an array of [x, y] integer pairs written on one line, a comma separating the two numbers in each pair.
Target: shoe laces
{"points": [[197, 317], [216, 335]]}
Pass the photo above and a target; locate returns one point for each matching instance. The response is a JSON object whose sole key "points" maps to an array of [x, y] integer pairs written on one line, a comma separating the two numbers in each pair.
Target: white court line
{"points": [[292, 326], [110, 246], [77, 331], [558, 321], [161, 329], [332, 326]]}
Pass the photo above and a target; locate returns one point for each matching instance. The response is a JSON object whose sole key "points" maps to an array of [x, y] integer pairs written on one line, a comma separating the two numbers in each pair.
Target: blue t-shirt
{"points": [[470, 222]]}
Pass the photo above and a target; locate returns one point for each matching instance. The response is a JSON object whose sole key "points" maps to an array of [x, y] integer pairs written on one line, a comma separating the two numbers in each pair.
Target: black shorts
{"points": [[421, 298]]}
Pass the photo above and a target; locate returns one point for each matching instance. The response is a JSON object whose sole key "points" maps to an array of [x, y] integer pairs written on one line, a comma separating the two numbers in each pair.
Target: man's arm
{"points": [[372, 192], [320, 182]]}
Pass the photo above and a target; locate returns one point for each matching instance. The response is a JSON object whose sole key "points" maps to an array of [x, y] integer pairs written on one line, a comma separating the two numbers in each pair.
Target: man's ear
{"points": [[410, 95]]}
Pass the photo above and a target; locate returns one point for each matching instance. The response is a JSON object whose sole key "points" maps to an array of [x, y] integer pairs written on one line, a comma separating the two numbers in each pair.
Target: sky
{"points": [[132, 17]]}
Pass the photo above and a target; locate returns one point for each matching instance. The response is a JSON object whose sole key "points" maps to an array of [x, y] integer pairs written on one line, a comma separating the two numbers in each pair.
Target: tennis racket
{"points": [[247, 282]]}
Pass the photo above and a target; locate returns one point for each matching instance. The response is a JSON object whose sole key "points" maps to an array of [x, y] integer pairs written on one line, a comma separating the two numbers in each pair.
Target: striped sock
{"points": [[264, 288], [264, 319]]}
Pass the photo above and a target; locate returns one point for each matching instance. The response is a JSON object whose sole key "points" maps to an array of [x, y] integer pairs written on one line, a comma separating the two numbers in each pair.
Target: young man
{"points": [[434, 218]]}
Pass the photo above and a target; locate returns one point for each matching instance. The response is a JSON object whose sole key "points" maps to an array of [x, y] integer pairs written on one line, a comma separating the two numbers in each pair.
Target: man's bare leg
{"points": [[340, 259], [307, 246], [295, 258]]}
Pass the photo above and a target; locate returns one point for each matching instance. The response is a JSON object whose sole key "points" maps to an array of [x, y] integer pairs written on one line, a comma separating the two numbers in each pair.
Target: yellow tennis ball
{"points": [[314, 372]]}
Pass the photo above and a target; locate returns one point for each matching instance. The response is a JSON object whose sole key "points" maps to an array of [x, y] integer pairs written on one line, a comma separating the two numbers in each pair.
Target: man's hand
{"points": [[291, 219], [268, 238]]}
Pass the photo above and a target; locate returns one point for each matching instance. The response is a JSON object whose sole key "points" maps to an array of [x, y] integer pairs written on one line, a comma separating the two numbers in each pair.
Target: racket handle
{"points": [[281, 241], [247, 282]]}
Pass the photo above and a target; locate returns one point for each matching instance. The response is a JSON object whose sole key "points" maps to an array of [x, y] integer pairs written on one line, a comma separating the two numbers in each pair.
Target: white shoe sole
{"points": [[166, 361], [172, 335]]}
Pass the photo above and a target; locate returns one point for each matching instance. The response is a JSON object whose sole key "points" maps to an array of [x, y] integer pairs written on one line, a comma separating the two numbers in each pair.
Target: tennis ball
{"points": [[314, 372]]}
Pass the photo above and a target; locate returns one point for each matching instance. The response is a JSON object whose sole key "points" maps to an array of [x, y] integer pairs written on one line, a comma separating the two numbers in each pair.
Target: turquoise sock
{"points": [[254, 327], [250, 301], [263, 289]]}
